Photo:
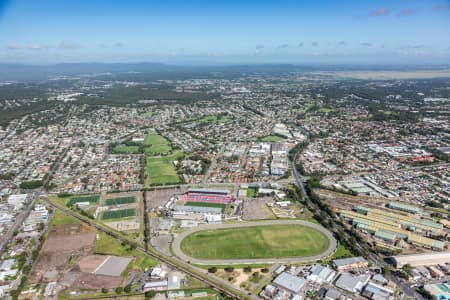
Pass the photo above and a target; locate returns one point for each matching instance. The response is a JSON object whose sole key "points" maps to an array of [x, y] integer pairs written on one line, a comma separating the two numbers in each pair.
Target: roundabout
{"points": [[265, 242]]}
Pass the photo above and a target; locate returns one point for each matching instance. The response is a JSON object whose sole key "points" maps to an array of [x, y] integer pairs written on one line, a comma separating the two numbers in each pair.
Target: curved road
{"points": [[176, 245]]}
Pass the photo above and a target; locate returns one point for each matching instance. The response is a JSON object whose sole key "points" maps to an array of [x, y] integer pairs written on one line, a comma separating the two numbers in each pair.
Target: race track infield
{"points": [[277, 241]]}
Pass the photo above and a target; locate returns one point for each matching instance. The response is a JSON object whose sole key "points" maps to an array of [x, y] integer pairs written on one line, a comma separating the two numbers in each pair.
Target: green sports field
{"points": [[255, 242], [271, 138], [160, 170], [119, 214], [91, 199], [120, 200], [156, 144]]}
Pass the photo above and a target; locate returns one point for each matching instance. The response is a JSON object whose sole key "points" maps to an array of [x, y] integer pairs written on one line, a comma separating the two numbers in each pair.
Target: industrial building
{"points": [[404, 207], [352, 283], [208, 195], [440, 290], [18, 201], [289, 282], [391, 226], [321, 274], [425, 259], [350, 263]]}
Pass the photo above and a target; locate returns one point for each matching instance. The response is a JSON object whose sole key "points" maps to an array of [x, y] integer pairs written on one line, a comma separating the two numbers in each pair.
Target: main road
{"points": [[332, 244]]}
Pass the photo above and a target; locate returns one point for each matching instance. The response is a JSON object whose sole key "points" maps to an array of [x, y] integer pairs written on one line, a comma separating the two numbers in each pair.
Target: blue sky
{"points": [[224, 32]]}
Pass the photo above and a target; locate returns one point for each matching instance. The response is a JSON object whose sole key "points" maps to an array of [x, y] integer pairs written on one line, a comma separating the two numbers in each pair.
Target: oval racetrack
{"points": [[177, 242]]}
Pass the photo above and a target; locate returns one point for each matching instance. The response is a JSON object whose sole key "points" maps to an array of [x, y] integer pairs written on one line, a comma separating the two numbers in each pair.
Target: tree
{"points": [[387, 271], [149, 294], [119, 290], [212, 270], [127, 289], [104, 290], [247, 269]]}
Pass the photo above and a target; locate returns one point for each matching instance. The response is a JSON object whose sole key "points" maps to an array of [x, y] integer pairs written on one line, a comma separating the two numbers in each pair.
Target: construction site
{"points": [[68, 261]]}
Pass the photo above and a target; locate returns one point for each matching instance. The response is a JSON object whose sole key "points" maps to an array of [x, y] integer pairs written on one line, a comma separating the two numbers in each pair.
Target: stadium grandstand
{"points": [[208, 195]]}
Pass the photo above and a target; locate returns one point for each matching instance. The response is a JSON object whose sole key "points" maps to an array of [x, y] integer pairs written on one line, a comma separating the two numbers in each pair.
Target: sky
{"points": [[226, 32]]}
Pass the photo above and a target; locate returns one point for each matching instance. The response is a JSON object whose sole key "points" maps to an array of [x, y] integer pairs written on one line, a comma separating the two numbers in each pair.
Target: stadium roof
{"points": [[214, 191]]}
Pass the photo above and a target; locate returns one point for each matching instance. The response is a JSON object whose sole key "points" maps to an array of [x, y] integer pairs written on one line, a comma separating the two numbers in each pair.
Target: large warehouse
{"points": [[208, 195], [425, 259]]}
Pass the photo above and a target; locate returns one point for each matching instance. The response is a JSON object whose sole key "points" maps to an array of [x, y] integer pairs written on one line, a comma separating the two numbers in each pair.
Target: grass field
{"points": [[251, 192], [120, 200], [341, 252], [215, 119], [60, 218], [108, 245], [325, 109], [156, 144], [126, 149], [271, 138], [255, 242], [119, 214], [206, 204], [91, 199], [160, 170]]}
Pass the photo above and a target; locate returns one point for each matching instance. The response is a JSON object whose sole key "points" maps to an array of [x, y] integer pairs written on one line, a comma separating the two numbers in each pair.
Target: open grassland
{"points": [[120, 200], [108, 245], [119, 214], [156, 144], [255, 242], [271, 138], [91, 199], [161, 170], [60, 218]]}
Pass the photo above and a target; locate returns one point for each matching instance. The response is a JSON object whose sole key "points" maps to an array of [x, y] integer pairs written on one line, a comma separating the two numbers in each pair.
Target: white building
{"points": [[18, 201]]}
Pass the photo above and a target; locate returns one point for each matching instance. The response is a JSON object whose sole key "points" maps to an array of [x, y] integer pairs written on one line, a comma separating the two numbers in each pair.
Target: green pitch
{"points": [[156, 144], [90, 199], [119, 214], [271, 138], [255, 242], [161, 170], [120, 200]]}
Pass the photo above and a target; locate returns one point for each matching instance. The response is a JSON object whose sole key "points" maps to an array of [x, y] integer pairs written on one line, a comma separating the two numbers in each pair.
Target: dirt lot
{"points": [[160, 197], [256, 209], [124, 226], [89, 264], [91, 281], [67, 257], [62, 243]]}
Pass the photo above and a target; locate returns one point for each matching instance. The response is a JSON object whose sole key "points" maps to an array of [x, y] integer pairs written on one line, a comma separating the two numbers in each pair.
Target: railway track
{"points": [[175, 264]]}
